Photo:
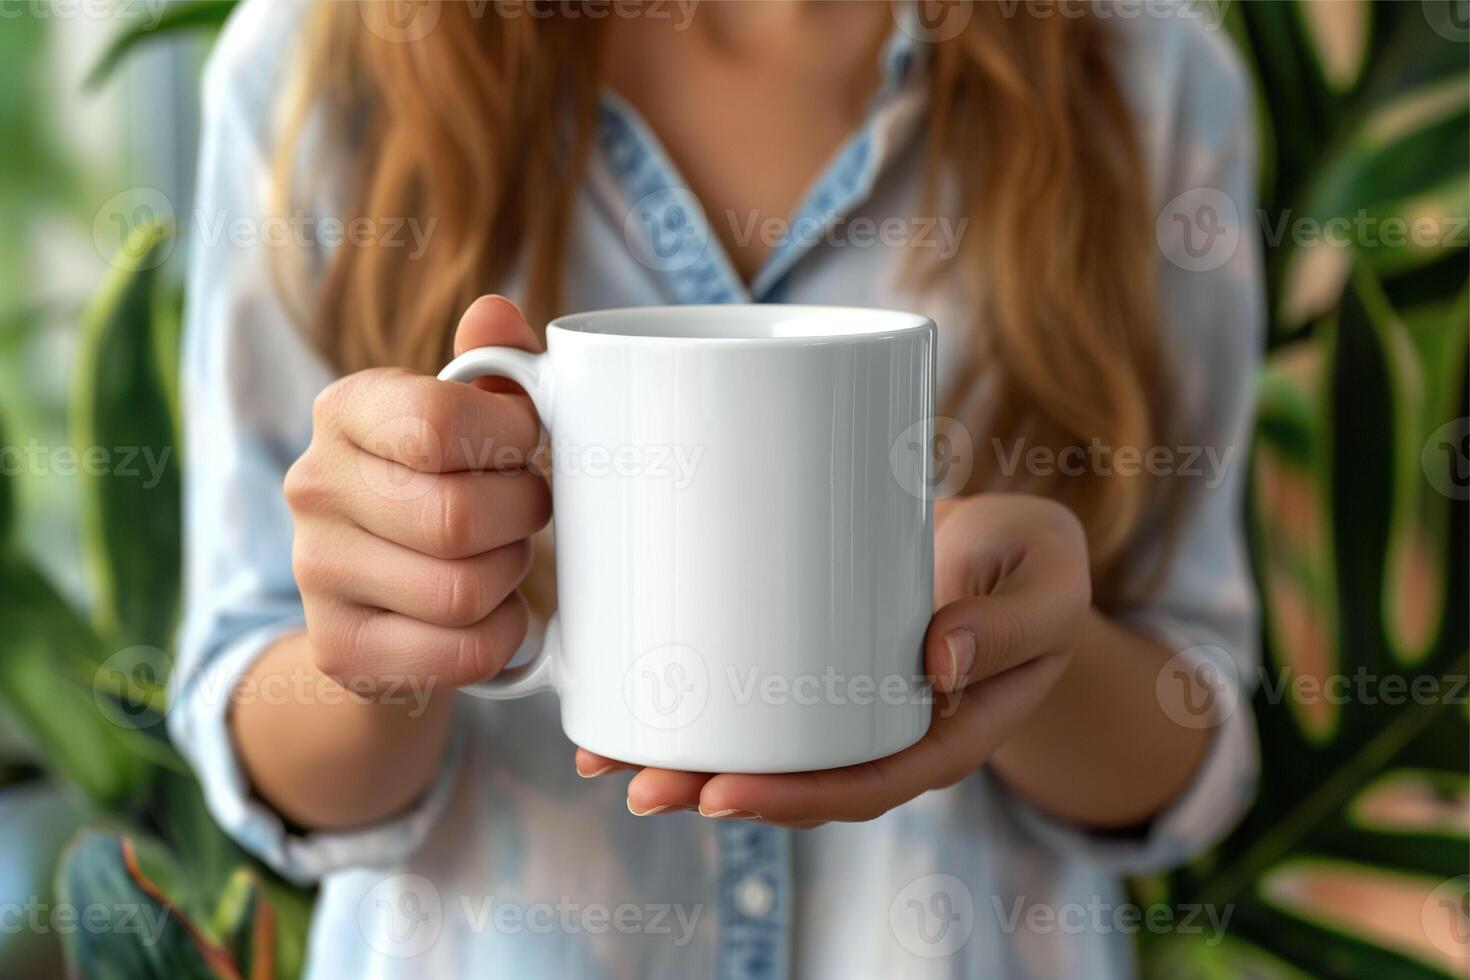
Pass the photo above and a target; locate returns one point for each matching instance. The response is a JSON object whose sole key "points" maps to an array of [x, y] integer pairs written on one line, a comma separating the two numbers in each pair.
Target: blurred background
{"points": [[1353, 861]]}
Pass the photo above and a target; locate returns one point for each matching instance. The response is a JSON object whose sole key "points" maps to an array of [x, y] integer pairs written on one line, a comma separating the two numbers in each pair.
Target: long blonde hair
{"points": [[485, 124]]}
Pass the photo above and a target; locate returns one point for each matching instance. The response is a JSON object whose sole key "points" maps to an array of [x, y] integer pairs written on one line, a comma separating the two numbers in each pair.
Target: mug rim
{"points": [[889, 324]]}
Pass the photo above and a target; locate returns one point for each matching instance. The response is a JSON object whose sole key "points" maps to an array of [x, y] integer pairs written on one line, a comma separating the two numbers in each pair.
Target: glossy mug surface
{"points": [[744, 544]]}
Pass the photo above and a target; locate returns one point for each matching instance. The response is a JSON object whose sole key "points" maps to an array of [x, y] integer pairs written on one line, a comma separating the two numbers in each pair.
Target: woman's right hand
{"points": [[413, 512]]}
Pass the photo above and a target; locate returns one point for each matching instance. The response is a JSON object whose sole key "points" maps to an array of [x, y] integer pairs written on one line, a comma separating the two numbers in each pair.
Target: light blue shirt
{"points": [[512, 865]]}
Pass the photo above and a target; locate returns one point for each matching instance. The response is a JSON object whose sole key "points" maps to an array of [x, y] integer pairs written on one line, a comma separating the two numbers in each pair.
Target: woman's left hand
{"points": [[1012, 587]]}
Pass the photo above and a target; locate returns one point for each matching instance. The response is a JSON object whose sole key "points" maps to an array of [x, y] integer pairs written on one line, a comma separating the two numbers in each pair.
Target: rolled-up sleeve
{"points": [[249, 381], [1212, 316]]}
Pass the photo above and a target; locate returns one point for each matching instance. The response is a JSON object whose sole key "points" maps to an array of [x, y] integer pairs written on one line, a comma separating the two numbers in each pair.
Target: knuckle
{"points": [[450, 519], [434, 406], [329, 403], [301, 485], [476, 657], [334, 645], [463, 595], [522, 556], [310, 566], [541, 501], [1009, 635], [486, 649], [1004, 643]]}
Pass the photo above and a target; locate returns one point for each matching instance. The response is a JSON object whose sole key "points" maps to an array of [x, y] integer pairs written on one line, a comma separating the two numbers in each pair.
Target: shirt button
{"points": [[754, 896]]}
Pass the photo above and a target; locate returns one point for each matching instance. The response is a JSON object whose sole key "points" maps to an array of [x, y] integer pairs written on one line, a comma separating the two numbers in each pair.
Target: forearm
{"points": [[326, 758], [1100, 751]]}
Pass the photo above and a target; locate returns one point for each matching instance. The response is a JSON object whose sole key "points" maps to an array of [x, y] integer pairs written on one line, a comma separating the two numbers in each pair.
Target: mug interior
{"points": [[755, 321]]}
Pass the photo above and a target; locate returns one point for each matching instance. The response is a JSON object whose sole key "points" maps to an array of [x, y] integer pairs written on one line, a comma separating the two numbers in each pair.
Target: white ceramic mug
{"points": [[744, 541]]}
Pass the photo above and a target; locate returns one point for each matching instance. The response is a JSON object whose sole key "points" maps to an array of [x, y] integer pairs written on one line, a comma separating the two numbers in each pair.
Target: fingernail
{"points": [[961, 645], [661, 808], [596, 772], [729, 814]]}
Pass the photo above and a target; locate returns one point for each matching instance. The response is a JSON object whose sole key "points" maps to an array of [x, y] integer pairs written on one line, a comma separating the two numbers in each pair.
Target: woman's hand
{"points": [[1013, 589], [413, 515], [412, 523]]}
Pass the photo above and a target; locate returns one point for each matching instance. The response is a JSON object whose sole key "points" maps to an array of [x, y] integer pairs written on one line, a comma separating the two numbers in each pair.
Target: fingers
{"points": [[352, 642], [664, 791], [652, 790], [1034, 596], [369, 571], [444, 515], [494, 321], [428, 425], [959, 740], [956, 745], [460, 515], [591, 765]]}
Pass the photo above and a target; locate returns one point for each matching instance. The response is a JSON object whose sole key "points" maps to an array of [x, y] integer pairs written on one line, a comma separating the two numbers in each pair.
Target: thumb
{"points": [[1029, 613], [494, 321]]}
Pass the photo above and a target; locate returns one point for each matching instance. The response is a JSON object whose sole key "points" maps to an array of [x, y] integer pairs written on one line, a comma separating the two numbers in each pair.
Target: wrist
{"points": [[323, 754]]}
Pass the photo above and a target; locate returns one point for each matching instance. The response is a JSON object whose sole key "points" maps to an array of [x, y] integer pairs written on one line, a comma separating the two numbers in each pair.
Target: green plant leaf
{"points": [[1406, 160], [178, 16], [111, 875], [7, 497], [1422, 399], [50, 656], [1298, 127], [1337, 38], [247, 921], [1292, 511], [122, 411]]}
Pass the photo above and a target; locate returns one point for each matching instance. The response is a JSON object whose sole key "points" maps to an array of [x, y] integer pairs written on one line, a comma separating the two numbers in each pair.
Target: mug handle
{"points": [[531, 372]]}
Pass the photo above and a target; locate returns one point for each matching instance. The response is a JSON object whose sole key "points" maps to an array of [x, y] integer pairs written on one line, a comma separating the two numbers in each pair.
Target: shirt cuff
{"points": [[199, 726], [1217, 797]]}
